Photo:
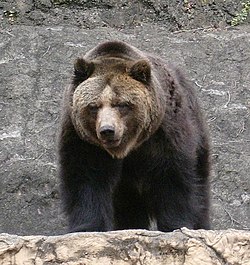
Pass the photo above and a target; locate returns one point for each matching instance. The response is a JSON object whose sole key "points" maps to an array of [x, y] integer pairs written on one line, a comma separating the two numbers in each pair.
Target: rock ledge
{"points": [[129, 247]]}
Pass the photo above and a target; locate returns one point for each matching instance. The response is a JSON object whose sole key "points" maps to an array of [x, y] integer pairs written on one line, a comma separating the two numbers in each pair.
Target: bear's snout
{"points": [[108, 128], [108, 136], [107, 132]]}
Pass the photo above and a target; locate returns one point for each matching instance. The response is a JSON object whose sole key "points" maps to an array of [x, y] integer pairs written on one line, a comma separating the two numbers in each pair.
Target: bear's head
{"points": [[114, 104]]}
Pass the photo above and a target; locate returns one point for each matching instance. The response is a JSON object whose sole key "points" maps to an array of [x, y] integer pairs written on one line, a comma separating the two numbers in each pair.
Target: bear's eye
{"points": [[93, 108], [123, 107]]}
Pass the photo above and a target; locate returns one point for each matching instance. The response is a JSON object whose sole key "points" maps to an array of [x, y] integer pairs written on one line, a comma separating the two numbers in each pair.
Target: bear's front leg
{"points": [[88, 175], [90, 209], [176, 198]]}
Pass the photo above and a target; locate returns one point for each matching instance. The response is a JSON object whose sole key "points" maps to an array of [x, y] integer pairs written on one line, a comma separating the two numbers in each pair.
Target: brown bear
{"points": [[133, 146]]}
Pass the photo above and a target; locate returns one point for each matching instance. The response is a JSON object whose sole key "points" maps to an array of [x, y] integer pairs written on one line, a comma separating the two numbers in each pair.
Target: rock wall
{"points": [[36, 64], [129, 247], [171, 14], [40, 39]]}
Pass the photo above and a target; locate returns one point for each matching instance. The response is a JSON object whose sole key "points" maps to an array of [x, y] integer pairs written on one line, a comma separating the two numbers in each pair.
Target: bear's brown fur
{"points": [[133, 146]]}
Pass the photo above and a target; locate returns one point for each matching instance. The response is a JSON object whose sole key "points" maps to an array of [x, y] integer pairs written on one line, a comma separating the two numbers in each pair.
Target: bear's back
{"points": [[115, 49]]}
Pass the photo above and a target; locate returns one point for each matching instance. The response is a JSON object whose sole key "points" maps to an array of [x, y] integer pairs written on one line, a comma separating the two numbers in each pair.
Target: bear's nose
{"points": [[107, 132]]}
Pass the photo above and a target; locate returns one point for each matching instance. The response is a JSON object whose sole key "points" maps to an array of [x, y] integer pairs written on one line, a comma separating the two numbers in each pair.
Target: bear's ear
{"points": [[141, 71], [82, 70]]}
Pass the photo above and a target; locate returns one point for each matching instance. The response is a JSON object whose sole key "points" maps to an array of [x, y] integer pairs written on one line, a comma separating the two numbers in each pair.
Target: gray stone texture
{"points": [[36, 62]]}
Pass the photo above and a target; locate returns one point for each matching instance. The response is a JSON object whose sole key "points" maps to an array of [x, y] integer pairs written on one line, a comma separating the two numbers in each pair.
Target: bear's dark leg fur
{"points": [[179, 193], [130, 210], [176, 196], [88, 175], [173, 187], [203, 169]]}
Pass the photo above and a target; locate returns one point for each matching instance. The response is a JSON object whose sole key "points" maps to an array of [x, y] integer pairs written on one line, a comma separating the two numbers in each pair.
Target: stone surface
{"points": [[129, 247], [172, 14], [36, 64]]}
